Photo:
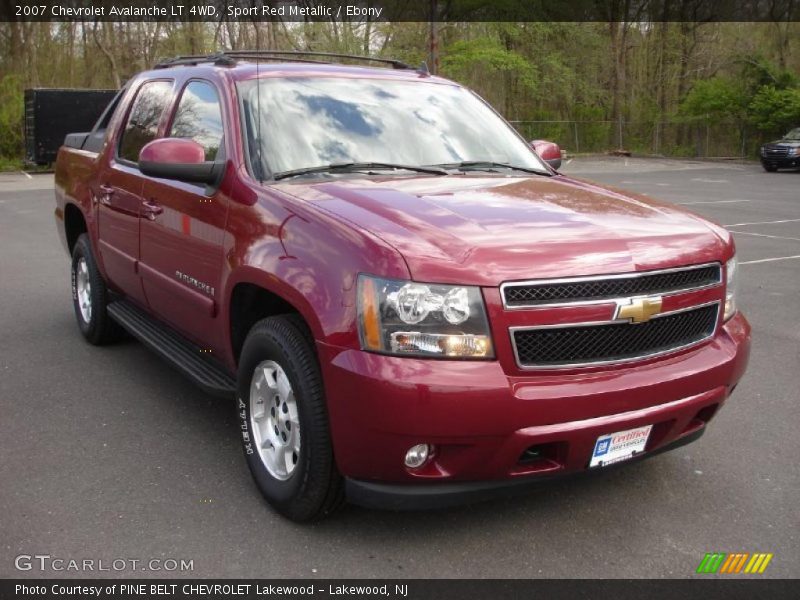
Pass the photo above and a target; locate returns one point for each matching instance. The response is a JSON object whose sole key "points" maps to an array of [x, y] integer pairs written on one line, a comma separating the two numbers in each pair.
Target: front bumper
{"points": [[398, 496], [781, 162], [482, 420]]}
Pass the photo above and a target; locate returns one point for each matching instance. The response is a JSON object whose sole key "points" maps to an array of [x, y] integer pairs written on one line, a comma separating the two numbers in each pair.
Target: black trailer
{"points": [[50, 114]]}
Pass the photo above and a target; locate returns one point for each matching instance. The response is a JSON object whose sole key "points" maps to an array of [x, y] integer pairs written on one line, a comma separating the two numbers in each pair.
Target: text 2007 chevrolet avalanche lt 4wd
{"points": [[408, 307]]}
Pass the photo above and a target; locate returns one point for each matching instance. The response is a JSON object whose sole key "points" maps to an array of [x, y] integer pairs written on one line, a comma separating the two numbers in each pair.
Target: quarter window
{"points": [[199, 117], [143, 120]]}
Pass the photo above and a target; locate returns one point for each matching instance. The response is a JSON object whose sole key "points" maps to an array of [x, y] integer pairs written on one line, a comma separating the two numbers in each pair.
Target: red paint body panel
{"points": [[487, 230], [173, 150], [307, 241], [547, 150], [482, 419]]}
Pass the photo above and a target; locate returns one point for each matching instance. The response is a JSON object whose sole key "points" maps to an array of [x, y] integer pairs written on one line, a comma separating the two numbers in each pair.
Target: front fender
{"points": [[309, 259]]}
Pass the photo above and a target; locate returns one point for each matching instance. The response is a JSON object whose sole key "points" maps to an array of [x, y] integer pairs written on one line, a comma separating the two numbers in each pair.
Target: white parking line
{"points": [[713, 202], [765, 260], [26, 174], [763, 223], [764, 235]]}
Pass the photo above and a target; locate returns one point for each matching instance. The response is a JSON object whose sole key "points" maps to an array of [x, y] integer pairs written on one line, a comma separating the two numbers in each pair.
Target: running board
{"points": [[174, 348]]}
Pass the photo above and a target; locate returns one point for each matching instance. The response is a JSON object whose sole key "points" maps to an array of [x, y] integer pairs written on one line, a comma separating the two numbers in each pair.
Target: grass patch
{"points": [[10, 164]]}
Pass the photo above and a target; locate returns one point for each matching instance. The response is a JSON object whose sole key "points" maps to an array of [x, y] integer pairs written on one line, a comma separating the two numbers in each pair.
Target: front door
{"points": [[182, 228]]}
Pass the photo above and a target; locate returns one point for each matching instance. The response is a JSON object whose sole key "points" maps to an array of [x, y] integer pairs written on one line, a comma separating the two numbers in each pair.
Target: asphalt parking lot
{"points": [[107, 453]]}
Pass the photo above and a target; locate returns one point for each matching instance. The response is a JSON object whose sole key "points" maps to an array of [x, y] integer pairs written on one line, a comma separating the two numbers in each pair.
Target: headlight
{"points": [[763, 151], [794, 151], [730, 288], [421, 319]]}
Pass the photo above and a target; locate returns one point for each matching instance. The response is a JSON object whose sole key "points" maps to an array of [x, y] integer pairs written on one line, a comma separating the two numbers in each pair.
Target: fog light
{"points": [[417, 455]]}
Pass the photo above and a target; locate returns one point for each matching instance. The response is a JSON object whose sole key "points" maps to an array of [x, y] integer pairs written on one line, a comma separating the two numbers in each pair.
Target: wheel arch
{"points": [[74, 225], [253, 295]]}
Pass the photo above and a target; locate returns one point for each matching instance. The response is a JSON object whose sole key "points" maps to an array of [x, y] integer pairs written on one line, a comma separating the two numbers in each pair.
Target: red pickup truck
{"points": [[408, 306]]}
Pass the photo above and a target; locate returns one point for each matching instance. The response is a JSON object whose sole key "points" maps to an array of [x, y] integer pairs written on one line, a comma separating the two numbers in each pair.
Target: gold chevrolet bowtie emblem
{"points": [[639, 310]]}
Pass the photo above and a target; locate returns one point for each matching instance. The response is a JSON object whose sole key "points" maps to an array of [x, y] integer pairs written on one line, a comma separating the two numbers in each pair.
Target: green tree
{"points": [[716, 98], [775, 111], [11, 113], [492, 69]]}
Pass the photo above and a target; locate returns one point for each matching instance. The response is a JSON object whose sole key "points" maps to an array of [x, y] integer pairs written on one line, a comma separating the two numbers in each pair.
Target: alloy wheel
{"points": [[274, 420], [83, 287]]}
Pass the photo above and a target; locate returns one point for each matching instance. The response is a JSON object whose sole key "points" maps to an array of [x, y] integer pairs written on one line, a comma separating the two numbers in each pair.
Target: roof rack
{"points": [[218, 59], [229, 58]]}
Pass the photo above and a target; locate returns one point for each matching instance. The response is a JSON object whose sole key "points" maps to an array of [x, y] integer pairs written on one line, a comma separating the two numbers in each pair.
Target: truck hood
{"points": [[784, 142], [484, 230]]}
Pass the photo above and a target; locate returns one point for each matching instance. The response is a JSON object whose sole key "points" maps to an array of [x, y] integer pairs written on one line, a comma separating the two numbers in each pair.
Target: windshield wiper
{"points": [[487, 165], [357, 166]]}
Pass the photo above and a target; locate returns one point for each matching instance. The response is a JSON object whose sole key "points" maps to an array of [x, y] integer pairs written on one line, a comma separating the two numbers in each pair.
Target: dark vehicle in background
{"points": [[783, 153]]}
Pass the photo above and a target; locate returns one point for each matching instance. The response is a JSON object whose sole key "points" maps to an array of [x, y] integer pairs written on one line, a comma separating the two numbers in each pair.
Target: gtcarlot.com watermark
{"points": [[57, 564]]}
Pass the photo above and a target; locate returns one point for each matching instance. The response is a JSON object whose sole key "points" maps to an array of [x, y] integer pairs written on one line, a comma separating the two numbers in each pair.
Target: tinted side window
{"points": [[199, 117], [109, 111], [142, 125]]}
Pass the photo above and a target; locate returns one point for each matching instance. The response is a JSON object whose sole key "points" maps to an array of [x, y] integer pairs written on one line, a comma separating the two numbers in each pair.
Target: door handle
{"points": [[151, 209], [106, 191]]}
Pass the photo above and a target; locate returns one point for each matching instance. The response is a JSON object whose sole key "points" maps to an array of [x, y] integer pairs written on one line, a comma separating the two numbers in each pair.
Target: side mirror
{"points": [[180, 159], [549, 152]]}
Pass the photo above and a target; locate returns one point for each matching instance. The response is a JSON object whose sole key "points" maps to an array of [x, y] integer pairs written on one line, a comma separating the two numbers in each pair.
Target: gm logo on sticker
{"points": [[602, 447]]}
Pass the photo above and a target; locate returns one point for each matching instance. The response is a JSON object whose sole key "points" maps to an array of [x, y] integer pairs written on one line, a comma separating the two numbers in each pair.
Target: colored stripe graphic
{"points": [[741, 562], [732, 560], [724, 563], [765, 563], [711, 562], [734, 563], [758, 564]]}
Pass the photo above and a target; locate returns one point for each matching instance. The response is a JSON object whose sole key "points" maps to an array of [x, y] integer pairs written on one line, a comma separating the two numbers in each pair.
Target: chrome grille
{"points": [[577, 290], [777, 150], [598, 343]]}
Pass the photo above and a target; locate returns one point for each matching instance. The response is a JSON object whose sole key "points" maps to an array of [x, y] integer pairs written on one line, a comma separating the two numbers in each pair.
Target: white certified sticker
{"points": [[622, 445]]}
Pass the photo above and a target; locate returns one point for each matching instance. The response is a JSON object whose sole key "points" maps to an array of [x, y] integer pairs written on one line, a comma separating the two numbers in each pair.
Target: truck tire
{"points": [[90, 296], [284, 420]]}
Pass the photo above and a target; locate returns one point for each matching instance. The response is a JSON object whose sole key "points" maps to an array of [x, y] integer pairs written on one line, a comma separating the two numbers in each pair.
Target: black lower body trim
{"points": [[397, 496], [182, 354], [783, 162]]}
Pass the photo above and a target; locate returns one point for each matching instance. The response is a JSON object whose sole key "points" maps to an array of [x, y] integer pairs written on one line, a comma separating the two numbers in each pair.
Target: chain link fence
{"points": [[698, 139]]}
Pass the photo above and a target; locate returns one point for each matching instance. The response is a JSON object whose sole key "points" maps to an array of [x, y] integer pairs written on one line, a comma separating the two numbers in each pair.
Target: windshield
{"points": [[794, 134], [305, 122]]}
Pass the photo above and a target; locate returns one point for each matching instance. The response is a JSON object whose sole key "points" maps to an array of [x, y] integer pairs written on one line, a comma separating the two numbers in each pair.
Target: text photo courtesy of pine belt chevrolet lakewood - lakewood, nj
{"points": [[418, 300]]}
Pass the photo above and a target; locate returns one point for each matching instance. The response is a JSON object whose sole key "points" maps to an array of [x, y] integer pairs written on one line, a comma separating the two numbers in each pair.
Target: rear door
{"points": [[182, 229], [118, 188]]}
